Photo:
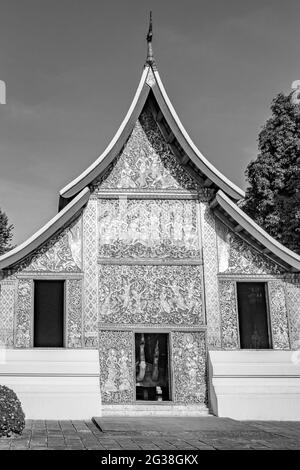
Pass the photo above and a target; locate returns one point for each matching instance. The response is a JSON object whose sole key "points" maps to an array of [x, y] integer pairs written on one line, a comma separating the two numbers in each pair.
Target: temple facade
{"points": [[151, 292]]}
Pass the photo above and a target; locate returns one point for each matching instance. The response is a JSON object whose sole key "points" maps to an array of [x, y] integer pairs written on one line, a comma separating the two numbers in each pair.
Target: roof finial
{"points": [[150, 59]]}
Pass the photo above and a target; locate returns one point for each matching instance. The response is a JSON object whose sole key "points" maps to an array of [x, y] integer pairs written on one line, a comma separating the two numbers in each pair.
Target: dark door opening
{"points": [[49, 314], [152, 366], [253, 315]]}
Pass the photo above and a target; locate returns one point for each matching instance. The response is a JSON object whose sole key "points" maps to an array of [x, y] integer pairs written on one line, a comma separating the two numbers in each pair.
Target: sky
{"points": [[71, 68]]}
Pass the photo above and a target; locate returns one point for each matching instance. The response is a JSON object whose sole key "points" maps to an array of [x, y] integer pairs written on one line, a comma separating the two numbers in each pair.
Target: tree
{"points": [[273, 196], [5, 233]]}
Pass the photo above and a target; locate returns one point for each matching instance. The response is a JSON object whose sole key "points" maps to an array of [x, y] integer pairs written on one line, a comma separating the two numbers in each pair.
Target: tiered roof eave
{"points": [[239, 222], [48, 230], [150, 80], [76, 194]]}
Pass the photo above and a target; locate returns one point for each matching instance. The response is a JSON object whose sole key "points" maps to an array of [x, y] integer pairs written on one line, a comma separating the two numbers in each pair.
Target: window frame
{"points": [[268, 313], [49, 279]]}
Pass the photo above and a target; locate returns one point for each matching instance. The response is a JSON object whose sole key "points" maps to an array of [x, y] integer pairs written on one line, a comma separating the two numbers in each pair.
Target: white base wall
{"points": [[53, 383], [254, 385]]}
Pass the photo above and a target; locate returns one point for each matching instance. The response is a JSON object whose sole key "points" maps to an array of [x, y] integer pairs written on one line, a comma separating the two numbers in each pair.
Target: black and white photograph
{"points": [[149, 228]]}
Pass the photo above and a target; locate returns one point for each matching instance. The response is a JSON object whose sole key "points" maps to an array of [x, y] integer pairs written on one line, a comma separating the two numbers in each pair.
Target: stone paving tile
{"points": [[286, 429], [127, 443], [201, 445], [109, 442], [159, 435], [74, 447], [66, 425], [281, 445], [149, 447], [80, 426], [39, 448], [165, 445], [52, 423]]}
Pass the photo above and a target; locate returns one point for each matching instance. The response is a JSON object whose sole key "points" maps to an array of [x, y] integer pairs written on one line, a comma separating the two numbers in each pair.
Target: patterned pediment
{"points": [[62, 252], [236, 256]]}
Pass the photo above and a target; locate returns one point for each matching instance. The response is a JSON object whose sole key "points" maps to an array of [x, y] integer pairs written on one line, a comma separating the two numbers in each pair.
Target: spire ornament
{"points": [[150, 58]]}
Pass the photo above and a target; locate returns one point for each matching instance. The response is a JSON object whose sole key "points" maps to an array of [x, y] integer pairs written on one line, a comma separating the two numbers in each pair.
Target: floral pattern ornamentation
{"points": [[7, 306], [63, 252], [90, 266], [23, 314], [74, 313], [148, 229], [210, 265], [189, 367], [146, 163], [116, 366], [293, 306], [238, 257], [150, 295], [229, 315], [278, 312]]}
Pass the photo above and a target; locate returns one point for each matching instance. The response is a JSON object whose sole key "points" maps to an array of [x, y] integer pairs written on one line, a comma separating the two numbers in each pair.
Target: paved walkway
{"points": [[205, 433]]}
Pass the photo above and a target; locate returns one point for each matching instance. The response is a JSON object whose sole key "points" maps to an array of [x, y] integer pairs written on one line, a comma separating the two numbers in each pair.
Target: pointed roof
{"points": [[238, 221], [76, 194], [151, 82], [50, 228], [150, 57]]}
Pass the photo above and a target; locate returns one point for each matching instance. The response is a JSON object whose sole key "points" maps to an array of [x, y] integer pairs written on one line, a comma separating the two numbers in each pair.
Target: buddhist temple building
{"points": [[151, 292]]}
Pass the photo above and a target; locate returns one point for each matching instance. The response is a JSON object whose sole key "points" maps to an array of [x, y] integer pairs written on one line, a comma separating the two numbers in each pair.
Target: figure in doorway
{"points": [[142, 364]]}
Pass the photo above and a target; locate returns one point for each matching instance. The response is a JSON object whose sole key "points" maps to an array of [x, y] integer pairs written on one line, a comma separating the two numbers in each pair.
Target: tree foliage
{"points": [[6, 233], [273, 196], [12, 418]]}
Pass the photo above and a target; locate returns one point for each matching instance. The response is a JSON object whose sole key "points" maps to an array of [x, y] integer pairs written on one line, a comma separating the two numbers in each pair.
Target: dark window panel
{"points": [[49, 314], [253, 315]]}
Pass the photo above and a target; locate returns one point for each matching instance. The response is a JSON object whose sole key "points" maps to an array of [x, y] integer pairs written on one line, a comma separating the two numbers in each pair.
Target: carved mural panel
{"points": [[210, 260], [90, 249], [63, 252], [148, 229], [23, 319], [189, 367], [238, 257], [116, 366], [7, 307], [229, 315], [293, 305], [146, 162], [278, 312], [150, 295], [74, 313]]}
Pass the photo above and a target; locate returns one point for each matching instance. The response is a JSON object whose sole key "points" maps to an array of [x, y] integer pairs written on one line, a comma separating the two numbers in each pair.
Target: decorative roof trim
{"points": [[112, 150], [261, 236], [150, 57], [188, 145], [42, 235], [151, 80]]}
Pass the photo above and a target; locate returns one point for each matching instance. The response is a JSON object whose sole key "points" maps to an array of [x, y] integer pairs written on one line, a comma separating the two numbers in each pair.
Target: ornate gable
{"points": [[238, 257], [62, 252], [146, 162]]}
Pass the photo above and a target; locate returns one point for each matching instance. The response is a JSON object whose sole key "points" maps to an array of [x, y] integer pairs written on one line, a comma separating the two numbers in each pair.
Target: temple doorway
{"points": [[152, 366]]}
